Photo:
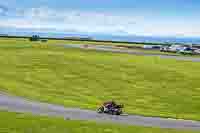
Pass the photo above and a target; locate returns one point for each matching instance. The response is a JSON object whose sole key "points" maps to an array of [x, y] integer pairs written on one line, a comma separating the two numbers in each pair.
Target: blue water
{"points": [[109, 37]]}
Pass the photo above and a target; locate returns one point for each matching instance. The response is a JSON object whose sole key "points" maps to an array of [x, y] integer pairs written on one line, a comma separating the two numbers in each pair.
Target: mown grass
{"points": [[24, 123], [146, 85]]}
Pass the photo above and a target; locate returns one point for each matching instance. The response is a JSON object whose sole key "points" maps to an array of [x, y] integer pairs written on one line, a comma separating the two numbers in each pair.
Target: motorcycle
{"points": [[117, 110]]}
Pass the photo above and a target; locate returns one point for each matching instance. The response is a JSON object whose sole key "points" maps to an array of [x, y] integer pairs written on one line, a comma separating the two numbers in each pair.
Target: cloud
{"points": [[3, 10], [116, 23], [67, 20]]}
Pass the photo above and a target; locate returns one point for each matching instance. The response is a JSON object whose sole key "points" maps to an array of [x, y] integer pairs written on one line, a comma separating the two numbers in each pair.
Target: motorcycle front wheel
{"points": [[100, 110]]}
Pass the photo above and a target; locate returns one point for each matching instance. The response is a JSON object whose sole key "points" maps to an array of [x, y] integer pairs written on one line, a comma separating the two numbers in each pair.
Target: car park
{"points": [[185, 50]]}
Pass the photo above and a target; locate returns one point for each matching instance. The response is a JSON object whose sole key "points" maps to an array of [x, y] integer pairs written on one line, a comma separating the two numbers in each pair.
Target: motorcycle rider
{"points": [[109, 105]]}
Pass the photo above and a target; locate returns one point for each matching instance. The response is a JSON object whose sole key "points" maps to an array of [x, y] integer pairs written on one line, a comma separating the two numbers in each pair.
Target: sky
{"points": [[114, 17]]}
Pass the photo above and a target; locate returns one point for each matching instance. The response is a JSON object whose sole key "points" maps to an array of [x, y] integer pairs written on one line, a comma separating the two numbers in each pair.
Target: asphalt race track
{"points": [[17, 104]]}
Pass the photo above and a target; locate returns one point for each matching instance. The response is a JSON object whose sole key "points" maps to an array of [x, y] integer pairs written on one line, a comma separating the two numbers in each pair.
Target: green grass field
{"points": [[21, 123], [146, 85]]}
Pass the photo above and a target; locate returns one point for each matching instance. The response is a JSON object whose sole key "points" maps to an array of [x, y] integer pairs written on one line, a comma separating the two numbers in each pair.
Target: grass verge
{"points": [[24, 123]]}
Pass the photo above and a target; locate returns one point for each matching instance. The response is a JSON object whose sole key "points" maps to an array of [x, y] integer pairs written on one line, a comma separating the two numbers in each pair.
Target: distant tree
{"points": [[35, 38]]}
